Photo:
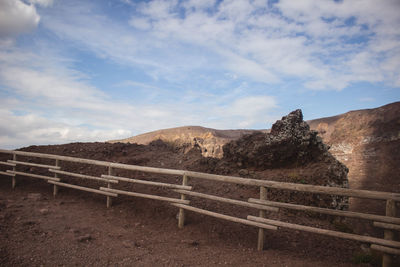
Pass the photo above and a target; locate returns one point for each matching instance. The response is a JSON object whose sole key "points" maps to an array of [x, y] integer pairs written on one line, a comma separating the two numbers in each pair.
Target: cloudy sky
{"points": [[99, 70]]}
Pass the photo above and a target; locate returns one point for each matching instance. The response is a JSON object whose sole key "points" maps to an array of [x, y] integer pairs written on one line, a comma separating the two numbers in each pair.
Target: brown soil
{"points": [[77, 229]]}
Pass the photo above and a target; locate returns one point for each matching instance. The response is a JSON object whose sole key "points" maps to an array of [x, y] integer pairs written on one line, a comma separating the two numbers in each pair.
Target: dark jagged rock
{"points": [[291, 145]]}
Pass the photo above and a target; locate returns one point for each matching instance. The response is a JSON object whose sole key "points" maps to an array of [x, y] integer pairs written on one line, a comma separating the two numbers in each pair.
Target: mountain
{"points": [[209, 140], [366, 141]]}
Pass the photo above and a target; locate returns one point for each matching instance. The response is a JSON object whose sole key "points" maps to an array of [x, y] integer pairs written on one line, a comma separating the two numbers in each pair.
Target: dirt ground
{"points": [[76, 228]]}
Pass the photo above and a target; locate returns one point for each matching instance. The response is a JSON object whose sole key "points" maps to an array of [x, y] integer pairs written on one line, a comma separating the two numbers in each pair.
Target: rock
{"points": [[291, 145], [44, 211], [84, 238], [127, 244], [130, 244]]}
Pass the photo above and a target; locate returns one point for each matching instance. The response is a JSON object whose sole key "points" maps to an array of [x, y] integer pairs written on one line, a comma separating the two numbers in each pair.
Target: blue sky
{"points": [[99, 70]]}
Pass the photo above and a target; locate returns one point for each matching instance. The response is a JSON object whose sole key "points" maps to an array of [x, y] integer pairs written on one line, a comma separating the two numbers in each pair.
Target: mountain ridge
{"points": [[354, 126], [367, 141]]}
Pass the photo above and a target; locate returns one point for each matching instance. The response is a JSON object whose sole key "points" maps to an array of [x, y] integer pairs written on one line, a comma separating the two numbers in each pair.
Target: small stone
{"points": [[84, 238], [130, 244], [44, 211]]}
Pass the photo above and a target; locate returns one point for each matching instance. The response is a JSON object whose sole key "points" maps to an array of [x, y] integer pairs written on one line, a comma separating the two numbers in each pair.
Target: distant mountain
{"points": [[366, 141], [209, 140]]}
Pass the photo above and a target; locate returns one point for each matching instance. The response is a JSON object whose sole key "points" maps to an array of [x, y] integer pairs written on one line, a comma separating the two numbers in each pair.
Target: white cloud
{"points": [[24, 130], [44, 3], [45, 102], [375, 26], [317, 42], [140, 23], [187, 46], [310, 40], [17, 17]]}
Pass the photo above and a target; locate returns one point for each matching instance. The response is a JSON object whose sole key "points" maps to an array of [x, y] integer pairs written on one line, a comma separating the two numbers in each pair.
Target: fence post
{"points": [[55, 187], [261, 234], [389, 234], [109, 199], [181, 217], [14, 178]]}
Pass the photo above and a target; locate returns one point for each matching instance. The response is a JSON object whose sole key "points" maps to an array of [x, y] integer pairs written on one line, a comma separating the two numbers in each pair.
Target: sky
{"points": [[79, 71]]}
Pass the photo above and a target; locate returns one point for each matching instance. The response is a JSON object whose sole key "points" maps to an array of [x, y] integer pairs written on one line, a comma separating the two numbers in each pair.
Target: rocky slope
{"points": [[368, 143], [210, 141]]}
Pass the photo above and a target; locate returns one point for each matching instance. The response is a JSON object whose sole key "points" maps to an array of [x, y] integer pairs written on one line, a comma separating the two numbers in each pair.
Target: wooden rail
{"points": [[228, 179], [342, 213], [389, 222], [228, 200], [137, 181], [83, 176], [32, 164], [310, 229], [111, 194], [34, 175], [387, 226], [225, 217], [7, 173], [8, 164], [168, 199]]}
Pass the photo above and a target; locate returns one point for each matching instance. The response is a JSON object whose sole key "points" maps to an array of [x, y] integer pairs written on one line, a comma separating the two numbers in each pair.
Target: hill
{"points": [[209, 140], [367, 141]]}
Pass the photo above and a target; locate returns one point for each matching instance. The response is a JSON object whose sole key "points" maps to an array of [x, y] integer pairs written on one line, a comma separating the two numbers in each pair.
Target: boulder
{"points": [[298, 153]]}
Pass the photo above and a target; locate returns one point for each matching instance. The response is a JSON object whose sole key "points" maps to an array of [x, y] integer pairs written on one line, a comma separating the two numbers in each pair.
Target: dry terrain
{"points": [[76, 228]]}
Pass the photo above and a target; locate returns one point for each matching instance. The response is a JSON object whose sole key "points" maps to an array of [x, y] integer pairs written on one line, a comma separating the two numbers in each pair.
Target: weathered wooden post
{"points": [[389, 234], [181, 217], [261, 233], [109, 199], [14, 179], [55, 187]]}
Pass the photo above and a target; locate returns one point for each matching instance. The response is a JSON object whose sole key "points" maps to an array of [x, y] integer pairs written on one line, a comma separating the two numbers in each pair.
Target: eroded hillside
{"points": [[209, 141], [366, 141]]}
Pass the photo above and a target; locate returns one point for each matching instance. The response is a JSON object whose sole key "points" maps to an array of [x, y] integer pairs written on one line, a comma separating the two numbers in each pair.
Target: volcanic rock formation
{"points": [[290, 145], [290, 142]]}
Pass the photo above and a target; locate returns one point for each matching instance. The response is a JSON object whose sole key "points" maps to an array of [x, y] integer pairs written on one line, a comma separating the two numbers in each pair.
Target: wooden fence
{"points": [[389, 222]]}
